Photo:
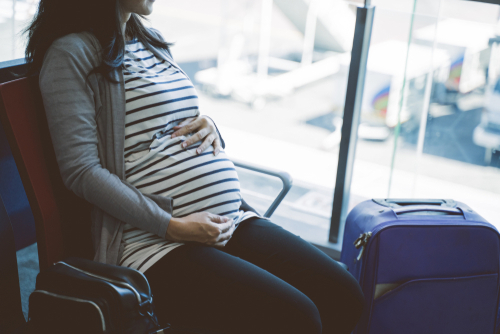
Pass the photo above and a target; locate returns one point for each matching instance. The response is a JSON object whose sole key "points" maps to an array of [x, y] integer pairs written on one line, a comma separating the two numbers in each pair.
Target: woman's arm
{"points": [[71, 113]]}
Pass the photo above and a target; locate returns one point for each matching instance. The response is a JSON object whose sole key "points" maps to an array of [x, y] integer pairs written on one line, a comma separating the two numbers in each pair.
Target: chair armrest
{"points": [[283, 176]]}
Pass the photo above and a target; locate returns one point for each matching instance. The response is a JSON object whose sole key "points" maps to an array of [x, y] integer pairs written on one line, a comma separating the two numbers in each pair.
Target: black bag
{"points": [[83, 296]]}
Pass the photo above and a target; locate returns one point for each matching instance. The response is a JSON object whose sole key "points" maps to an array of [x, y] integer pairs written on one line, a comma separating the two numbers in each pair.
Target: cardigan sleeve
{"points": [[70, 106]]}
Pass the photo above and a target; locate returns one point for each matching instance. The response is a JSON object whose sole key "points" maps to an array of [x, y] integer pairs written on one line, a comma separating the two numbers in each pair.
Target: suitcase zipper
{"points": [[107, 280], [76, 300], [361, 242]]}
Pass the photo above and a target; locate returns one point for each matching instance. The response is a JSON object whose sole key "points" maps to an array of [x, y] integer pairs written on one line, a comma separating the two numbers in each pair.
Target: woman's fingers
{"points": [[203, 227], [221, 244], [218, 232], [183, 123], [225, 227], [206, 132], [206, 143], [222, 223], [224, 238], [198, 136], [218, 219], [187, 128], [217, 146]]}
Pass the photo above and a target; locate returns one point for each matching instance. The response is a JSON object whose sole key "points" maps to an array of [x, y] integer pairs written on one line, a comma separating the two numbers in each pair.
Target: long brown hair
{"points": [[57, 18]]}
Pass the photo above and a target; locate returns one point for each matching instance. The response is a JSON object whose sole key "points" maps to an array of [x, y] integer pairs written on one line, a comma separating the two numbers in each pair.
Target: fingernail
{"points": [[173, 135], [198, 151], [216, 152], [184, 145]]}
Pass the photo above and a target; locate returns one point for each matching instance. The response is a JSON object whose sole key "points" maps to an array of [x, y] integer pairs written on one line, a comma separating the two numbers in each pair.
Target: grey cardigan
{"points": [[87, 123]]}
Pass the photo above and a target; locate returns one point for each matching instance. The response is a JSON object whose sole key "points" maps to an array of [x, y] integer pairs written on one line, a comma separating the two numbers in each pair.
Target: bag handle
{"points": [[402, 202], [431, 208], [119, 283]]}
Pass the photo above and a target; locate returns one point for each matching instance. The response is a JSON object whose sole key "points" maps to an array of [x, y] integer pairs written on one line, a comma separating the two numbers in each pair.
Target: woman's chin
{"points": [[149, 5], [146, 12], [148, 8]]}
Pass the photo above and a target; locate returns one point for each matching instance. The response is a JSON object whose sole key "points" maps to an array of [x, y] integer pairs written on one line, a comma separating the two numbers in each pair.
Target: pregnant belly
{"points": [[195, 182]]}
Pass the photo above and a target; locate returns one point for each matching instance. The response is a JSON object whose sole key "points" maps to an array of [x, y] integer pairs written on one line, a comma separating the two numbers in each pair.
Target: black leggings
{"points": [[266, 280]]}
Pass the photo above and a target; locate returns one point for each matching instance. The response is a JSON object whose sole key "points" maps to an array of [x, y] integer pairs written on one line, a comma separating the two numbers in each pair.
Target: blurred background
{"points": [[273, 76]]}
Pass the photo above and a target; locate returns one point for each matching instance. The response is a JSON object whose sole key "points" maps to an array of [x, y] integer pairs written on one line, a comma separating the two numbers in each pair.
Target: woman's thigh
{"points": [[334, 291], [204, 288]]}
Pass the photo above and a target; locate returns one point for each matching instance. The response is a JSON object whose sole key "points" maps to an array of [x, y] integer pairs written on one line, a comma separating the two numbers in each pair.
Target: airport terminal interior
{"points": [[273, 75]]}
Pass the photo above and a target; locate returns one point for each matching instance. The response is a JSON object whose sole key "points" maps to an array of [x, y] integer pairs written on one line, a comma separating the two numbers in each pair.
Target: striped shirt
{"points": [[159, 96]]}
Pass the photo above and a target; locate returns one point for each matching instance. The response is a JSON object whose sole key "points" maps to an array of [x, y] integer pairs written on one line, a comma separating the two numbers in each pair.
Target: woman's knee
{"points": [[299, 316], [354, 300], [343, 299], [354, 295], [307, 322]]}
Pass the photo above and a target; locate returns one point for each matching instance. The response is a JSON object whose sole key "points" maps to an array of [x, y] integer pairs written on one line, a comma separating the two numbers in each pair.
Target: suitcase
{"points": [[425, 266]]}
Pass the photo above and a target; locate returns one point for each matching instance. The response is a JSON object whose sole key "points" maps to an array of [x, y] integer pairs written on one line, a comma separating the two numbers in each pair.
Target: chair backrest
{"points": [[11, 313], [62, 219]]}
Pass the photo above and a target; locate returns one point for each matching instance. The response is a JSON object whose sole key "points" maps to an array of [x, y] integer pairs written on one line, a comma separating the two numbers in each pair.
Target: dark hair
{"points": [[57, 18]]}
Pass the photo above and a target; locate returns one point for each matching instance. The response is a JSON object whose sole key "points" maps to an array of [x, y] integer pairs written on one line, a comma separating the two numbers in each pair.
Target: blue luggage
{"points": [[425, 267]]}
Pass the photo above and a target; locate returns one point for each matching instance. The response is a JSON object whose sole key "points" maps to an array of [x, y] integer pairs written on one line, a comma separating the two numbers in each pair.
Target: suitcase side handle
{"points": [[425, 209]]}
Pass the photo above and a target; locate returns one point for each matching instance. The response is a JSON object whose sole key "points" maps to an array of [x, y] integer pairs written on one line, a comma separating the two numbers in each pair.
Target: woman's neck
{"points": [[124, 17]]}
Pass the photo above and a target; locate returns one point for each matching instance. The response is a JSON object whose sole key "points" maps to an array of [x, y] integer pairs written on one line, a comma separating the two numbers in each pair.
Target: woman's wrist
{"points": [[173, 228]]}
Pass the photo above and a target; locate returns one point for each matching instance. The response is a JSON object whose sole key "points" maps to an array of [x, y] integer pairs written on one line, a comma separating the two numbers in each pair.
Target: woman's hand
{"points": [[202, 227], [205, 131]]}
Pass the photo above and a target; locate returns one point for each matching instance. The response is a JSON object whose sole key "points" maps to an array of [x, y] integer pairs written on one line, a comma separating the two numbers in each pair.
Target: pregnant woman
{"points": [[129, 138]]}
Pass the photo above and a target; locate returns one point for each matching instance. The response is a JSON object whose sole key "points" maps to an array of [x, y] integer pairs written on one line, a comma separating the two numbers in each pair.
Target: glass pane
{"points": [[384, 82], [274, 82], [14, 15], [444, 125]]}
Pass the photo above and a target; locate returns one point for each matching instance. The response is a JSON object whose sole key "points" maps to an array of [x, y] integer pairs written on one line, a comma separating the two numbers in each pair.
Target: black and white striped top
{"points": [[159, 96]]}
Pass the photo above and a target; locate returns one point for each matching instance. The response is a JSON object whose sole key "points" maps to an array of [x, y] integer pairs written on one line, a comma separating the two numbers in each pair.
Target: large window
{"points": [[273, 75], [433, 82]]}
